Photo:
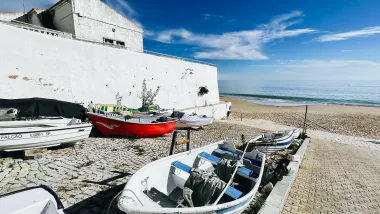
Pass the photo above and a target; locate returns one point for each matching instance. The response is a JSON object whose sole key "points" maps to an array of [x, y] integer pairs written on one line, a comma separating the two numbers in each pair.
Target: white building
{"points": [[59, 53], [86, 20]]}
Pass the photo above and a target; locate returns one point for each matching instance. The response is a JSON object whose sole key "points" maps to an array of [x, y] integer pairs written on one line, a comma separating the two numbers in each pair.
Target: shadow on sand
{"points": [[98, 204]]}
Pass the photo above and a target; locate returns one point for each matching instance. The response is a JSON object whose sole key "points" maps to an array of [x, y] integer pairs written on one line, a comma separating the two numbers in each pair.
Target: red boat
{"points": [[144, 126]]}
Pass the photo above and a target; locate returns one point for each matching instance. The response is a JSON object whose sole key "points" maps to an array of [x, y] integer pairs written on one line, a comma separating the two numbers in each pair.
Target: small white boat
{"points": [[191, 121], [271, 142], [296, 133], [159, 186], [28, 134], [34, 200]]}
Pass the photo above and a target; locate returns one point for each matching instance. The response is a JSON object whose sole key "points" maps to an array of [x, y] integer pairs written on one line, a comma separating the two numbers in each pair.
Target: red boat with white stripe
{"points": [[140, 127]]}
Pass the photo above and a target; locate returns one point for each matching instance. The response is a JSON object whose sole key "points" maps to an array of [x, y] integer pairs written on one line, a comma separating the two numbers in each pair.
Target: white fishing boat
{"points": [[168, 185], [191, 121], [23, 135], [34, 200], [271, 142], [296, 133]]}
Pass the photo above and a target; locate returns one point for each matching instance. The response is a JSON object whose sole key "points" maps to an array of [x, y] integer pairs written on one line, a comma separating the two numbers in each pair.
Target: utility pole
{"points": [[304, 123], [23, 5]]}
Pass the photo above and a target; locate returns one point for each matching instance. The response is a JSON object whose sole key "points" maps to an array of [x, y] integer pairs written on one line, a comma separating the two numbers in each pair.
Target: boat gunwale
{"points": [[52, 128], [289, 135], [174, 120], [243, 200], [287, 140]]}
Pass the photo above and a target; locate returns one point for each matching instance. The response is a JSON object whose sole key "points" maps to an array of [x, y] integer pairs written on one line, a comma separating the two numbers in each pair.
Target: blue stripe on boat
{"points": [[232, 192], [242, 171], [254, 162], [210, 157], [248, 172], [182, 166]]}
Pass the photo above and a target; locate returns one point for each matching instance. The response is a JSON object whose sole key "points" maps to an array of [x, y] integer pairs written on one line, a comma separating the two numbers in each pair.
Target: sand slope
{"points": [[349, 120]]}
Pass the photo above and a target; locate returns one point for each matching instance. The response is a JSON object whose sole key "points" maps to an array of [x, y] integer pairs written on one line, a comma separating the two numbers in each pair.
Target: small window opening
{"points": [[108, 41], [120, 43]]}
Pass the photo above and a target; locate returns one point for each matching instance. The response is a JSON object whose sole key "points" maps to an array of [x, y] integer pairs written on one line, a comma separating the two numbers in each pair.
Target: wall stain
{"points": [[40, 79], [45, 84], [26, 78], [12, 76]]}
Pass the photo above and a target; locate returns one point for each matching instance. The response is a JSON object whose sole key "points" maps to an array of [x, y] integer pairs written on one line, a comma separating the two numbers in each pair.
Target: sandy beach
{"points": [[341, 119]]}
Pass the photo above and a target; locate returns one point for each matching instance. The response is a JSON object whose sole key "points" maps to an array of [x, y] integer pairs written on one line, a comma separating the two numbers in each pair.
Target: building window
{"points": [[108, 41], [120, 43]]}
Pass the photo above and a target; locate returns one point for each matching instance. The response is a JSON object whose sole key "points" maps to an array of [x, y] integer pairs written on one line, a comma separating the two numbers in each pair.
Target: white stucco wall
{"points": [[37, 65], [94, 21], [8, 16], [63, 18]]}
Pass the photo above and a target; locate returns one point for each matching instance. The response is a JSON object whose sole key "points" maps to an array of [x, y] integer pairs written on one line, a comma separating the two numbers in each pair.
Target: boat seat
{"points": [[231, 192], [241, 171], [181, 166], [225, 152]]}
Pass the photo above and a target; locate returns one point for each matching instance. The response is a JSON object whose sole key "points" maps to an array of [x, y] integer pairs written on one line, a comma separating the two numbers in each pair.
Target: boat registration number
{"points": [[39, 134], [20, 136]]}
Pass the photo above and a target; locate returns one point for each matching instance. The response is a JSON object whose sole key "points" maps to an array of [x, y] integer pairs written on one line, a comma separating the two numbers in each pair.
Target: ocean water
{"points": [[295, 92]]}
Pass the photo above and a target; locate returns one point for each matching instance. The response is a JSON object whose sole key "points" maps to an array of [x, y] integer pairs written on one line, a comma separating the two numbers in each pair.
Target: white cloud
{"points": [[124, 8], [322, 64], [365, 32], [211, 16], [242, 45]]}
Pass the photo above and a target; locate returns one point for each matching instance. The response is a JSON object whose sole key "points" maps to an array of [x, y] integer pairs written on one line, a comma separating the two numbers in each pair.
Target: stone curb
{"points": [[276, 199]]}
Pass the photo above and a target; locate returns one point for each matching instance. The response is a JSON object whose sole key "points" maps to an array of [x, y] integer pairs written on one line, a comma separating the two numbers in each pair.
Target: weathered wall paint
{"points": [[77, 71]]}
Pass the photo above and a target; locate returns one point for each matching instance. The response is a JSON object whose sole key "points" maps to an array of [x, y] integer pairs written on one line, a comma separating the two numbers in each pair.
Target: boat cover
{"points": [[177, 114], [203, 186], [193, 120], [40, 107]]}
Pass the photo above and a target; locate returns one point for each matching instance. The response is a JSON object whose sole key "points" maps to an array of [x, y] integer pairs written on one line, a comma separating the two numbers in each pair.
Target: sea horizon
{"points": [[304, 92]]}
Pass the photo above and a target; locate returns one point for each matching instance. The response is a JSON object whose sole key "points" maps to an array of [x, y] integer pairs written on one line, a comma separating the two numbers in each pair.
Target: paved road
{"points": [[336, 178], [86, 177]]}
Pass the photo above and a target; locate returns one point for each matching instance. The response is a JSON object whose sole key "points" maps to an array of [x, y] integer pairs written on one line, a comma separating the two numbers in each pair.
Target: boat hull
{"points": [[275, 146], [133, 200], [13, 139], [109, 126], [38, 122], [34, 200]]}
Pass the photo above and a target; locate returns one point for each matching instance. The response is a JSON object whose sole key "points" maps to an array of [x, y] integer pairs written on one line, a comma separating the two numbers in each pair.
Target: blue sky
{"points": [[246, 39]]}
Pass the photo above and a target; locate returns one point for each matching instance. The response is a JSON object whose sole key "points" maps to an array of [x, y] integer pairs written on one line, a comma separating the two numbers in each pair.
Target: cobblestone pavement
{"points": [[87, 176], [336, 178]]}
